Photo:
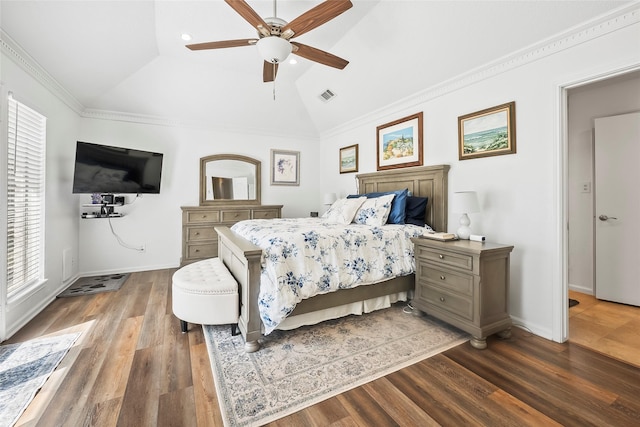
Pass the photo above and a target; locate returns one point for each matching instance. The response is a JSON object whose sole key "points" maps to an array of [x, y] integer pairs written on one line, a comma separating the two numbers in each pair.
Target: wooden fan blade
{"points": [[250, 15], [269, 72], [222, 44], [315, 17], [317, 55]]}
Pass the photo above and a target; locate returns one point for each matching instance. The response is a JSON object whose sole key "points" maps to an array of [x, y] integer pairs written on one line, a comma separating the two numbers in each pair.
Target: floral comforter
{"points": [[303, 257]]}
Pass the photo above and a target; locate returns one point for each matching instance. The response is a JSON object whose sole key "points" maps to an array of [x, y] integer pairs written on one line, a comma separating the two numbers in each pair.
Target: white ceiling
{"points": [[128, 57]]}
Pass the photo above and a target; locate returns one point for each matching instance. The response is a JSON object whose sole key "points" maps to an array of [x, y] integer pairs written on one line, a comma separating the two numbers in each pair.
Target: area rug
{"points": [[296, 369], [24, 368], [95, 284]]}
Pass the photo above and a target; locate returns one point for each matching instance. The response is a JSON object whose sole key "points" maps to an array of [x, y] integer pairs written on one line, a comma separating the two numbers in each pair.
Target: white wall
{"points": [[155, 220], [610, 97], [61, 219], [520, 195]]}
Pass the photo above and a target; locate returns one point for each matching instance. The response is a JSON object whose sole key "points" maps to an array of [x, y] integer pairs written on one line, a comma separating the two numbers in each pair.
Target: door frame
{"points": [[559, 306]]}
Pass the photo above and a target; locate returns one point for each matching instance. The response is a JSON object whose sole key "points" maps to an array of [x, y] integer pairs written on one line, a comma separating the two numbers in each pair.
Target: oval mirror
{"points": [[229, 179]]}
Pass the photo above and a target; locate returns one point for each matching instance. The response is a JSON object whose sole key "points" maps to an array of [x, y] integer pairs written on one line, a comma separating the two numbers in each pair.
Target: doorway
{"points": [[615, 95]]}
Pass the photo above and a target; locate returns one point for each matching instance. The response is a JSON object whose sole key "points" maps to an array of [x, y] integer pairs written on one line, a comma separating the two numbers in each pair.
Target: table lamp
{"points": [[465, 202]]}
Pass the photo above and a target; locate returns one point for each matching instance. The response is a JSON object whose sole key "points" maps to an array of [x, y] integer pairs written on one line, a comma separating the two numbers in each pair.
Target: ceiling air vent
{"points": [[327, 95]]}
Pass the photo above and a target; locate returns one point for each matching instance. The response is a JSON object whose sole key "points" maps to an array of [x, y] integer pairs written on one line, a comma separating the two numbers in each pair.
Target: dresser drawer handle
{"points": [[441, 299], [197, 233], [441, 256], [204, 216], [197, 250], [442, 277]]}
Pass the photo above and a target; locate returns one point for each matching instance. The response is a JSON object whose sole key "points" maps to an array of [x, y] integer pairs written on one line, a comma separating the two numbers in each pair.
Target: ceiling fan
{"points": [[274, 35]]}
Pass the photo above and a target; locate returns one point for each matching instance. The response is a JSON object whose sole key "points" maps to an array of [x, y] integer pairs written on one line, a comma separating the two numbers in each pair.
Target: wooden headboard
{"points": [[422, 181]]}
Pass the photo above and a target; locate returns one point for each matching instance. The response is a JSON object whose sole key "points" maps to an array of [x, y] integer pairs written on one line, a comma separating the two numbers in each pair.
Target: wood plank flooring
{"points": [[607, 327], [133, 367]]}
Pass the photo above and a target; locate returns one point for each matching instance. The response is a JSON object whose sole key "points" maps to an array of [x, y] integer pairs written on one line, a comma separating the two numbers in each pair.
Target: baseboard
{"points": [[581, 289], [127, 270], [533, 328]]}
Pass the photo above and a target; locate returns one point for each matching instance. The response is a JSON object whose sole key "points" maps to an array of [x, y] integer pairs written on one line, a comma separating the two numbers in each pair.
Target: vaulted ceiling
{"points": [[127, 57]]}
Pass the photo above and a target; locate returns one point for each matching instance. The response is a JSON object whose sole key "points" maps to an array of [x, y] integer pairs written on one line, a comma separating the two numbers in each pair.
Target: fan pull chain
{"points": [[274, 81]]}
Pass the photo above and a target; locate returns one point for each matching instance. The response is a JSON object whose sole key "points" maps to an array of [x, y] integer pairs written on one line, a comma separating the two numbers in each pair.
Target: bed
{"points": [[243, 259]]}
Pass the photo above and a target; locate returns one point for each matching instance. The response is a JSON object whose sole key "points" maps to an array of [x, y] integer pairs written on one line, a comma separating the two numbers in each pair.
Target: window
{"points": [[25, 197]]}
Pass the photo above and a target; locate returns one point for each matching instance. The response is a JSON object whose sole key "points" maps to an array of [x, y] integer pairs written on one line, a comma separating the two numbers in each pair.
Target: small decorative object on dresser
{"points": [[466, 284], [465, 202]]}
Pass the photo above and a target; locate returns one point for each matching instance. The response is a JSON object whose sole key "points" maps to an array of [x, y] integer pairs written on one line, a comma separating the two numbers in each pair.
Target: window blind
{"points": [[25, 197]]}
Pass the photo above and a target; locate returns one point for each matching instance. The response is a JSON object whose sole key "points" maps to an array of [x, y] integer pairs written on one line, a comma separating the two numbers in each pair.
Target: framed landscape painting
{"points": [[349, 159], [399, 143], [285, 167], [490, 132]]}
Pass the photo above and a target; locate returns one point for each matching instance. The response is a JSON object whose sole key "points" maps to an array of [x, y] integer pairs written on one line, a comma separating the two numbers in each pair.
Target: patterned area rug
{"points": [[94, 285], [296, 369], [24, 368]]}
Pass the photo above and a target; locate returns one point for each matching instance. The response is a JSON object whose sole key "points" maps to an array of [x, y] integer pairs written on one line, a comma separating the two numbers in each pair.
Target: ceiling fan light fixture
{"points": [[274, 49]]}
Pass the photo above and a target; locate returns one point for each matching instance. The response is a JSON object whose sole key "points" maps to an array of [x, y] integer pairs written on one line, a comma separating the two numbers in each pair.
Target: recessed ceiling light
{"points": [[293, 61], [186, 37]]}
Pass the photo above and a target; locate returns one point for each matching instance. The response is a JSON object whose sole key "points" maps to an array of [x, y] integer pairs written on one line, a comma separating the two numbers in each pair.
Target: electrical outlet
{"points": [[586, 187]]}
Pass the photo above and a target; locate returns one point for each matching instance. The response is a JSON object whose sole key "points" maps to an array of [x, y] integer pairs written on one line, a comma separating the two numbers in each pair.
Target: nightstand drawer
{"points": [[265, 214], [444, 257], [201, 233], [235, 215], [203, 216], [448, 279], [454, 304], [208, 250]]}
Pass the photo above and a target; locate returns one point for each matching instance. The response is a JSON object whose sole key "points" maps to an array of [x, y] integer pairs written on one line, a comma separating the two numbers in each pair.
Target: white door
{"points": [[617, 208]]}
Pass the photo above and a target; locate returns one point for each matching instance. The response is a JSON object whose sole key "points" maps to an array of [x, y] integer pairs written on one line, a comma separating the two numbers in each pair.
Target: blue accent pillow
{"points": [[416, 210], [398, 205]]}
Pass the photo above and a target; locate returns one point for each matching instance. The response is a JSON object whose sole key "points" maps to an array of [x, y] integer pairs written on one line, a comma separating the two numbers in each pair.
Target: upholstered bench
{"points": [[205, 293]]}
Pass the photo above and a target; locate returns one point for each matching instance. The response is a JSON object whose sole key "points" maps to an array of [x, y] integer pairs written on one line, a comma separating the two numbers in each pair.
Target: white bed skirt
{"points": [[359, 307]]}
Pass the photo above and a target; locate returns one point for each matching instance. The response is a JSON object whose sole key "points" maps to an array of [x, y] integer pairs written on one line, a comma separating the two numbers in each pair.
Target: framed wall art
{"points": [[349, 159], [399, 143], [285, 167], [490, 132]]}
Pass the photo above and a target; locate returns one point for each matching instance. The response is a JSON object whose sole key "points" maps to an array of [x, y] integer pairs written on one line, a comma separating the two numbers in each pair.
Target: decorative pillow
{"points": [[398, 206], [342, 211], [416, 210], [374, 211]]}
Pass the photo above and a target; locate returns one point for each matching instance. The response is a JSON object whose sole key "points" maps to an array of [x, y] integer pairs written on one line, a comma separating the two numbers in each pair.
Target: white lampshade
{"points": [[329, 198], [274, 49], [465, 202]]}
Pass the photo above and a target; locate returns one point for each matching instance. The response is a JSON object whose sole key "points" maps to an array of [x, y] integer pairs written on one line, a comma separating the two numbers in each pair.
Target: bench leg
{"points": [[235, 330], [183, 326]]}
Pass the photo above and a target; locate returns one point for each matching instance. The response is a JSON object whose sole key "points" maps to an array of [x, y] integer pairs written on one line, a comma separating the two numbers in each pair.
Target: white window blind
{"points": [[25, 197]]}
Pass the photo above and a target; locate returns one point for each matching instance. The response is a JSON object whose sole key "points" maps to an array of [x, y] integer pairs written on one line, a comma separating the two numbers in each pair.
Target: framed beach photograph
{"points": [[399, 143], [490, 132], [349, 159], [285, 167]]}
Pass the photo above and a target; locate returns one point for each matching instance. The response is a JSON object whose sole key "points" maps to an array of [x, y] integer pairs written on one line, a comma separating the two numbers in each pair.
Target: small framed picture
{"points": [[349, 159], [285, 167], [399, 143], [490, 132]]}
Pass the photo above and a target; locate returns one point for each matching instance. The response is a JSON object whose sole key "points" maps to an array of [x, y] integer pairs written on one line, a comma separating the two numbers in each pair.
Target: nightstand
{"points": [[466, 284]]}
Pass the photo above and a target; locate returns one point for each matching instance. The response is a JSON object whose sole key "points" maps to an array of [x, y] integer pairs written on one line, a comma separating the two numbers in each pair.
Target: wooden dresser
{"points": [[199, 239], [466, 284]]}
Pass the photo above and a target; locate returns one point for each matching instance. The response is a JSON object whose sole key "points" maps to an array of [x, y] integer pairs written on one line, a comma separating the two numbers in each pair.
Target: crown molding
{"points": [[193, 124], [18, 55], [590, 30]]}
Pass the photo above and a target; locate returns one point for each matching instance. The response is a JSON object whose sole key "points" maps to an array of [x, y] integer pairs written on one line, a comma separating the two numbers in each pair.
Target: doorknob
{"points": [[604, 217]]}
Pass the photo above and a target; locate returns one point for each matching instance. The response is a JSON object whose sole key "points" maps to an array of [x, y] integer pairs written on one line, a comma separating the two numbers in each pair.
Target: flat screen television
{"points": [[105, 169]]}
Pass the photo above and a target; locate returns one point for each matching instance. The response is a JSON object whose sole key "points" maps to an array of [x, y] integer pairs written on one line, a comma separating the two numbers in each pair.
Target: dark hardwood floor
{"points": [[133, 367]]}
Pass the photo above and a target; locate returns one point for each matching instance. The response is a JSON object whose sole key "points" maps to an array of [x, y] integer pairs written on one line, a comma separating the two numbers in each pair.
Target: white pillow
{"points": [[343, 210], [374, 211]]}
